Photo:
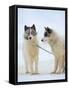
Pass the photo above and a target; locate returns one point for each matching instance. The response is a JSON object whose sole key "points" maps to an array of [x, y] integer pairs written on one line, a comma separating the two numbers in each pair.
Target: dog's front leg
{"points": [[55, 66], [36, 66], [31, 67], [26, 64]]}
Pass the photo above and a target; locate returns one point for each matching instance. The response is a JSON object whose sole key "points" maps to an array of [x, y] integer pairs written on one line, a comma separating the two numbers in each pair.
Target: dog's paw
{"points": [[34, 73], [54, 72], [58, 72], [27, 72]]}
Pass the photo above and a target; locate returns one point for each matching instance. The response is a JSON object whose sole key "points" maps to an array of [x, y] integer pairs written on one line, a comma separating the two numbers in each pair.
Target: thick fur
{"points": [[58, 48], [31, 54]]}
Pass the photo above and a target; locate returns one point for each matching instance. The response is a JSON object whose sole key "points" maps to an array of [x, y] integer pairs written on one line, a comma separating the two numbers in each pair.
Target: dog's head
{"points": [[47, 34], [29, 32]]}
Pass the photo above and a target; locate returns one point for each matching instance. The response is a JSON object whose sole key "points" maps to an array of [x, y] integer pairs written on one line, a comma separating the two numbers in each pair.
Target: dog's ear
{"points": [[48, 29], [33, 27], [45, 28], [25, 27]]}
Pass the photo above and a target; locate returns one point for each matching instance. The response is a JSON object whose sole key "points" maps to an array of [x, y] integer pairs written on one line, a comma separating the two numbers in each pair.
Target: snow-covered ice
{"points": [[39, 77]]}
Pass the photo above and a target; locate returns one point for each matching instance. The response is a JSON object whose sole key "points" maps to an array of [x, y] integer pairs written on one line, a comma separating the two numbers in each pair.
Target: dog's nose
{"points": [[29, 37], [42, 40]]}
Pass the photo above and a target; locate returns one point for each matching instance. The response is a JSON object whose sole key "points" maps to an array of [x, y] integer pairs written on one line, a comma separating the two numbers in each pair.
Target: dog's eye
{"points": [[27, 32], [33, 33], [45, 34]]}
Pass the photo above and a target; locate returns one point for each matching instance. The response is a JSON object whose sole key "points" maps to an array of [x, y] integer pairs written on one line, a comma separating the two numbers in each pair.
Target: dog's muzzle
{"points": [[42, 40]]}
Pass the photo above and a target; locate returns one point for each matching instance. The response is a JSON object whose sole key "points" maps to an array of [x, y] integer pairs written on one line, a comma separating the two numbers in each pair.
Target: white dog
{"points": [[58, 48], [30, 50]]}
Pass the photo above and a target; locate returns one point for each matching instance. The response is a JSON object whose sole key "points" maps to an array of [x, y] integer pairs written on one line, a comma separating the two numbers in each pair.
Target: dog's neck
{"points": [[53, 39]]}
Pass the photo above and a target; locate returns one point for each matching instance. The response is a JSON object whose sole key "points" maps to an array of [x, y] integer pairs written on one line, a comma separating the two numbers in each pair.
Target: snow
{"points": [[45, 68], [39, 77]]}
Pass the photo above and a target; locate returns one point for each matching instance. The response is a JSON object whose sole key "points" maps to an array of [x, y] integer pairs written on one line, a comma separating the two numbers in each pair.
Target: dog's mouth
{"points": [[42, 40]]}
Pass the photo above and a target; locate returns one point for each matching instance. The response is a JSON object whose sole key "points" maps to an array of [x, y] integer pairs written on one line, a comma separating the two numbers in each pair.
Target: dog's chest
{"points": [[31, 49]]}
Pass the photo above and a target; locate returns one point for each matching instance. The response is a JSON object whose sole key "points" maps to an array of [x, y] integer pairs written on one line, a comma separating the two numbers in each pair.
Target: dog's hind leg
{"points": [[60, 65], [63, 66]]}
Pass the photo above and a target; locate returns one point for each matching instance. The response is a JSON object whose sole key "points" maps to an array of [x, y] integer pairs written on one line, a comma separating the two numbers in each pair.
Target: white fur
{"points": [[58, 48], [31, 55]]}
